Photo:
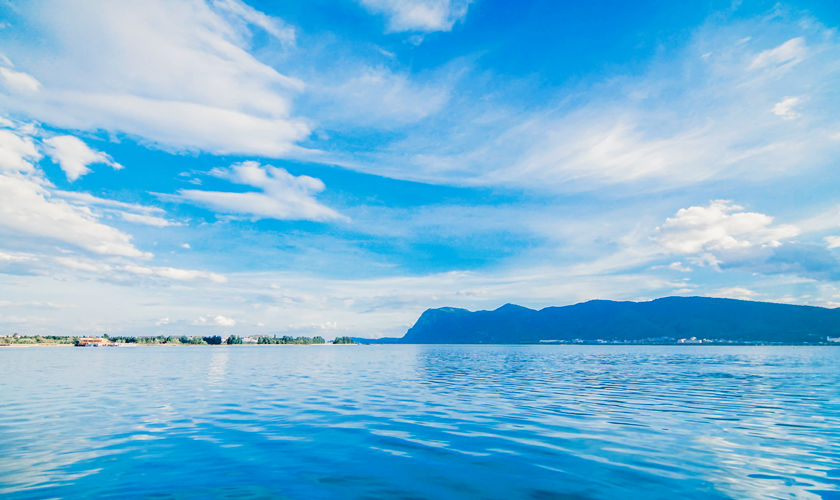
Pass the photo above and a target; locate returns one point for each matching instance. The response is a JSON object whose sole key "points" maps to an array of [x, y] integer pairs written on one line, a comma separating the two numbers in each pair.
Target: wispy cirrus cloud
{"points": [[785, 55], [18, 82], [248, 15], [29, 210], [720, 107], [131, 69]]}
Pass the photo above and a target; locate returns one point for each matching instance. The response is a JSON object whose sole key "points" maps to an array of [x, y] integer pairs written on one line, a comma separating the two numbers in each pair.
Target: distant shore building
{"points": [[93, 342], [692, 340]]}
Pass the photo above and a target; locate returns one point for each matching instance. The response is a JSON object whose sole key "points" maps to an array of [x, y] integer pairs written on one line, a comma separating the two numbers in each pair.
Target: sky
{"points": [[337, 167]]}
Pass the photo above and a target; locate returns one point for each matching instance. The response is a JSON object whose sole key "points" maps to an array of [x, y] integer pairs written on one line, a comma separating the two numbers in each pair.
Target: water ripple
{"points": [[421, 422]]}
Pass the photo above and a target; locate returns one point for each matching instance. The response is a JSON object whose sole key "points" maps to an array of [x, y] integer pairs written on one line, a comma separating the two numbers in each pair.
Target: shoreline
{"points": [[139, 344], [132, 345]]}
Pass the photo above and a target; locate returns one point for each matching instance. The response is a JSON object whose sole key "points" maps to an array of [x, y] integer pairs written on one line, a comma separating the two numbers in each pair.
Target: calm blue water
{"points": [[421, 422]]}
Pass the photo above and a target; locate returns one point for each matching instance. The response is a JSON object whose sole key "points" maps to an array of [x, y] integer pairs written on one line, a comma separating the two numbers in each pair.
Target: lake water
{"points": [[403, 421]]}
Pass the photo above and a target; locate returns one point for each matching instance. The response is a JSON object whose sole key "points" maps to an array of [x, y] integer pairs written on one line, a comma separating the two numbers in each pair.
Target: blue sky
{"points": [[335, 168]]}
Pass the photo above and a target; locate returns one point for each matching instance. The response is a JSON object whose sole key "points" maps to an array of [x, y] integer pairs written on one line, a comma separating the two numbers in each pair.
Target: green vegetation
{"points": [[291, 340], [343, 340], [233, 339], [38, 339]]}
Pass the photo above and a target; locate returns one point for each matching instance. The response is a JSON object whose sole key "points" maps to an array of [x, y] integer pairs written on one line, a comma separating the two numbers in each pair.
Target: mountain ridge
{"points": [[661, 320]]}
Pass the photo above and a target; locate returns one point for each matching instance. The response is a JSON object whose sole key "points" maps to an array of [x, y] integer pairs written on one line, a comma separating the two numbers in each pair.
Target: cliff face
{"points": [[667, 318]]}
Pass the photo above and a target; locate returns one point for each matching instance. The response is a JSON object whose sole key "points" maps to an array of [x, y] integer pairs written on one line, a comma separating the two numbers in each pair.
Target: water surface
{"points": [[420, 422]]}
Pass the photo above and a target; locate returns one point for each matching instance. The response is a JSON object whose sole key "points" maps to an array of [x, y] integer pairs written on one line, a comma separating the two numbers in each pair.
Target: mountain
{"points": [[664, 320]]}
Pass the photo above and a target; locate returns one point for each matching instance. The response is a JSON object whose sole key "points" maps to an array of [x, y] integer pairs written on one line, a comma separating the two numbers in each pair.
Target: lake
{"points": [[430, 421]]}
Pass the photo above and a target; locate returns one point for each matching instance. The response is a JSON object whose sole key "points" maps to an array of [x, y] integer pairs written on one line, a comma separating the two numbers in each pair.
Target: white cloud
{"points": [[785, 108], [281, 195], [223, 321], [148, 220], [377, 97], [720, 227], [833, 241], [177, 74], [17, 152], [679, 266], [87, 199], [787, 54], [172, 273], [131, 212], [736, 292], [186, 246], [419, 15], [272, 25], [74, 156], [121, 272], [28, 208], [15, 257], [17, 82], [34, 214], [685, 121], [218, 320]]}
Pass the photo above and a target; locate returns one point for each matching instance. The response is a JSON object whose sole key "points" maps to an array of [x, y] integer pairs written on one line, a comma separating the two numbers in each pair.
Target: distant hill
{"points": [[665, 320]]}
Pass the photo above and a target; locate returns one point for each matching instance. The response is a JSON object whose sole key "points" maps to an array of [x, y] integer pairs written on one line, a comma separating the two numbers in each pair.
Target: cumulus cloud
{"points": [[74, 156], [281, 196], [132, 68], [419, 15], [217, 320], [17, 152], [785, 108], [719, 227], [723, 235], [679, 266]]}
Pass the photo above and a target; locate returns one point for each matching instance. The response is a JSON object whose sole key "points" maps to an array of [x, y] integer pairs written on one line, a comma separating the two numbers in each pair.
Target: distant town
{"points": [[107, 340]]}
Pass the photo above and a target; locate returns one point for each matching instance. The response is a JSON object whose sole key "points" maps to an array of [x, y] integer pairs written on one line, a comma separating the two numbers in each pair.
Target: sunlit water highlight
{"points": [[421, 422]]}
